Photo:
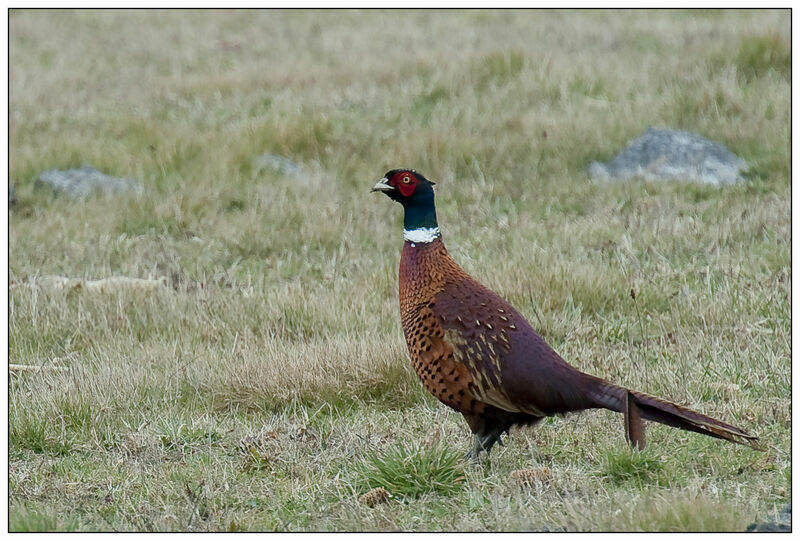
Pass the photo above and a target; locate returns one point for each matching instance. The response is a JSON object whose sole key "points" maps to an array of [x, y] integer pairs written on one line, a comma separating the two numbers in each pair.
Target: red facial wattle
{"points": [[405, 182]]}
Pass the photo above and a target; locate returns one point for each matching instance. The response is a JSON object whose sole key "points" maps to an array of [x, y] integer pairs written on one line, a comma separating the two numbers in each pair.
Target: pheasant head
{"points": [[415, 193]]}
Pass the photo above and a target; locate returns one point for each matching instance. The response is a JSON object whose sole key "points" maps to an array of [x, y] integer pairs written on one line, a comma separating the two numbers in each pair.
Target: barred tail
{"points": [[636, 406]]}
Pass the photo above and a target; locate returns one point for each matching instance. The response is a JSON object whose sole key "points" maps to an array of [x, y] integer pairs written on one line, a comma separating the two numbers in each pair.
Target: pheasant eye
{"points": [[406, 179]]}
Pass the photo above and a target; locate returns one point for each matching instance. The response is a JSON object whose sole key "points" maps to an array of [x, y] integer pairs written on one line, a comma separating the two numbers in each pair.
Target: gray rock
{"points": [[661, 154], [277, 163], [783, 524], [85, 181]]}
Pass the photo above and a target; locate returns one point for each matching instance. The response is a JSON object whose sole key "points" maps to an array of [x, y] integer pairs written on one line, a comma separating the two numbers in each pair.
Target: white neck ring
{"points": [[423, 234]]}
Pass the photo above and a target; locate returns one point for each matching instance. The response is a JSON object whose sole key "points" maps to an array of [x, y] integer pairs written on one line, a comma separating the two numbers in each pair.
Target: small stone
{"points": [[277, 163], [374, 497], [85, 181], [663, 154], [529, 477]]}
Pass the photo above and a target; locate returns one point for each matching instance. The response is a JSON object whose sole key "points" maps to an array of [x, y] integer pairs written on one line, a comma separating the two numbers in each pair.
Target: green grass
{"points": [[410, 471], [268, 384], [688, 513], [632, 466], [761, 54], [26, 520]]}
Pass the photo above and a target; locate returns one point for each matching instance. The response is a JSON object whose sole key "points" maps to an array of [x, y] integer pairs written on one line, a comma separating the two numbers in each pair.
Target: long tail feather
{"points": [[634, 426], [637, 406]]}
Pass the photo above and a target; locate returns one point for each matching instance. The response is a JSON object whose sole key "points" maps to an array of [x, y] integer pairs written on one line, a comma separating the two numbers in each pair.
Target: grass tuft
{"points": [[626, 465], [177, 435], [499, 68], [758, 55], [409, 471], [36, 520], [34, 432]]}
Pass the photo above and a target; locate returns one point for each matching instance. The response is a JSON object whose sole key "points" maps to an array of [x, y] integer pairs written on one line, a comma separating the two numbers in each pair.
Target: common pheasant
{"points": [[478, 355]]}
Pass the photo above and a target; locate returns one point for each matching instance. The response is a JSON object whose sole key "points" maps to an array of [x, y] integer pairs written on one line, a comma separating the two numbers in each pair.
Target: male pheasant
{"points": [[477, 354]]}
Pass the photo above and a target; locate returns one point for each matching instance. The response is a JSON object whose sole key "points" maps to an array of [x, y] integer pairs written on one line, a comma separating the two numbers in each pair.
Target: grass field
{"points": [[267, 387]]}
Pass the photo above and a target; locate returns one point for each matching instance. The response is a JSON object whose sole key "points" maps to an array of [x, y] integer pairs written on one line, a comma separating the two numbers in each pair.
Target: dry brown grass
{"points": [[280, 315]]}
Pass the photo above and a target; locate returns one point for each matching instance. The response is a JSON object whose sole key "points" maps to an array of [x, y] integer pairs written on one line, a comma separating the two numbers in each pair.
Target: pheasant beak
{"points": [[383, 186]]}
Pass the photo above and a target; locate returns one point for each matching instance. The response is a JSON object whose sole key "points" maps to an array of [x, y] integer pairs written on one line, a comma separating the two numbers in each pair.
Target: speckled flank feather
{"points": [[471, 349]]}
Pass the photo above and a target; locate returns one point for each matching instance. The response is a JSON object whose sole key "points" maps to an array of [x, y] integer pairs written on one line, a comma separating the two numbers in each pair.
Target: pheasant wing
{"points": [[511, 366]]}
